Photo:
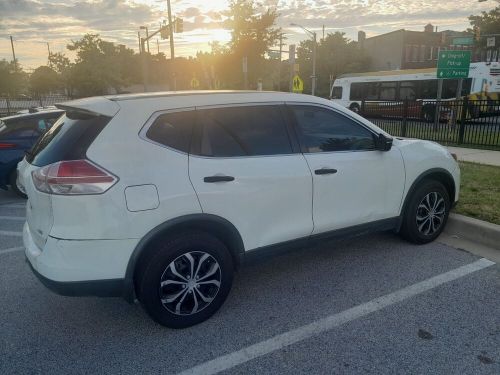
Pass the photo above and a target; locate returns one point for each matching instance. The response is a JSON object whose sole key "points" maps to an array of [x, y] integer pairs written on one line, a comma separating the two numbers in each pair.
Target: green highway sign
{"points": [[453, 64], [463, 41]]}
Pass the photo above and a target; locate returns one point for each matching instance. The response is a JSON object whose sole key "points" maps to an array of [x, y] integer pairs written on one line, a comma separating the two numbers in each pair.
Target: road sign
{"points": [[195, 83], [463, 41], [298, 84], [490, 41], [453, 64]]}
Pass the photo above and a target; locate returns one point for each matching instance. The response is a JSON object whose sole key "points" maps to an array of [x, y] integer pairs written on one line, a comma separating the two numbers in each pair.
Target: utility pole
{"points": [[158, 46], [48, 50], [323, 33], [279, 63], [147, 37], [139, 37], [13, 53], [171, 30], [313, 77]]}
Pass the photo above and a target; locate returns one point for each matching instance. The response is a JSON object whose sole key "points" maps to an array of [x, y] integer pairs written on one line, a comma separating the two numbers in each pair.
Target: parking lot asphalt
{"points": [[370, 304]]}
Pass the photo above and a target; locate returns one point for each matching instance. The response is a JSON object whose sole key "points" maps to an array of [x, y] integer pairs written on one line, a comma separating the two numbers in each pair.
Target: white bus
{"points": [[419, 85]]}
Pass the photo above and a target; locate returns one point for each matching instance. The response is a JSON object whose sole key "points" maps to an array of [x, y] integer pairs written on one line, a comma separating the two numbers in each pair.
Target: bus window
{"points": [[408, 90], [337, 92], [356, 91], [466, 86], [428, 89], [388, 90], [449, 89], [371, 90]]}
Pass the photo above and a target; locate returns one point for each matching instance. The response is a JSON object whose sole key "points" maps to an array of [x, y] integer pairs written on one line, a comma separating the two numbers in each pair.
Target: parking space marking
{"points": [[14, 218], [11, 250], [10, 233], [280, 341]]}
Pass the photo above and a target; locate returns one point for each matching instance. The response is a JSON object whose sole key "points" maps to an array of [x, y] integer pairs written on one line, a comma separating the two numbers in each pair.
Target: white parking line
{"points": [[10, 233], [278, 342], [11, 250], [14, 218]]}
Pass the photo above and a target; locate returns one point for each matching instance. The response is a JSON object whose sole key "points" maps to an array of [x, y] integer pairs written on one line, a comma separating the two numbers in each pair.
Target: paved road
{"points": [[372, 304]]}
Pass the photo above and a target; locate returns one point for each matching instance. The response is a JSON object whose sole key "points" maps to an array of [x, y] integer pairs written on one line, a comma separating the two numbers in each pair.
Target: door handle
{"points": [[325, 171], [211, 179]]}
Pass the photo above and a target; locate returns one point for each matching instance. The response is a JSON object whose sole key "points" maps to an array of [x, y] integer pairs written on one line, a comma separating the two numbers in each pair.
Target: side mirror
{"points": [[383, 143]]}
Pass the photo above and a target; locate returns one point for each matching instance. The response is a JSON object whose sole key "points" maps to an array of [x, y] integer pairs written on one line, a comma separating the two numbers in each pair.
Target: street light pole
{"points": [[172, 55], [313, 76]]}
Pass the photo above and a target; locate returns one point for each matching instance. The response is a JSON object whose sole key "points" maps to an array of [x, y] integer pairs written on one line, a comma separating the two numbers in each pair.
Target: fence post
{"points": [[463, 118], [405, 118], [362, 108], [8, 105], [40, 99]]}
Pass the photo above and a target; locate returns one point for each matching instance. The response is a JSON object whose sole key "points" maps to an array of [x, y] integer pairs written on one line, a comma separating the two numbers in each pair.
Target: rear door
{"points": [[245, 168]]}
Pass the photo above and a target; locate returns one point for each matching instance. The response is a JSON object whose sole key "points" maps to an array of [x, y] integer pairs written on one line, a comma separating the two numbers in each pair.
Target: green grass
{"points": [[480, 192]]}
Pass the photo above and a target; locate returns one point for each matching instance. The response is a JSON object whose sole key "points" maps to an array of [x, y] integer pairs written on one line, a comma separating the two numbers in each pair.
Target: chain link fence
{"points": [[12, 105]]}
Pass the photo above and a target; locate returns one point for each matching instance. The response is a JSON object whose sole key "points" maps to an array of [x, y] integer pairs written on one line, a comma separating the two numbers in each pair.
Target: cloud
{"points": [[35, 22]]}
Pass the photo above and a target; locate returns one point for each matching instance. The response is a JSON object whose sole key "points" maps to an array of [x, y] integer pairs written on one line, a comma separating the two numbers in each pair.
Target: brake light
{"points": [[6, 146], [73, 177]]}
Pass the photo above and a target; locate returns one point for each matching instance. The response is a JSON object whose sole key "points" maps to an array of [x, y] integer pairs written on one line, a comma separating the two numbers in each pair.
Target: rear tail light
{"points": [[73, 177], [6, 146]]}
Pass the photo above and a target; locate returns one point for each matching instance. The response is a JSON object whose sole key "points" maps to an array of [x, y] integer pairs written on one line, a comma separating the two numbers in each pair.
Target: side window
{"points": [[323, 130], [24, 127], [173, 130], [337, 92], [371, 90], [388, 90], [243, 131], [356, 91], [408, 90]]}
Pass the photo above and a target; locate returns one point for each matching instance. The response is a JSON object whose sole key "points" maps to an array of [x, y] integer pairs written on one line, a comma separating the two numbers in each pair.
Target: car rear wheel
{"points": [[13, 184], [186, 280], [426, 213]]}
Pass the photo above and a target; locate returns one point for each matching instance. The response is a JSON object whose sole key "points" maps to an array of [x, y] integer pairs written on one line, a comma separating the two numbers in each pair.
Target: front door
{"points": [[353, 183]]}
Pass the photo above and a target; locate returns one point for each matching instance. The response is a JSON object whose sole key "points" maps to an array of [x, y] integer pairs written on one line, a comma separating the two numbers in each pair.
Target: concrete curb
{"points": [[474, 230]]}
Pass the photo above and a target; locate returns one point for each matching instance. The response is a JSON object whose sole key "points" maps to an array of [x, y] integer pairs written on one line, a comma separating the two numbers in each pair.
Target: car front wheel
{"points": [[426, 213], [186, 280]]}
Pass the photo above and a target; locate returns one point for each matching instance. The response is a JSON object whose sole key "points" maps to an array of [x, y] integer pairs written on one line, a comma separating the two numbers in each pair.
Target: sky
{"points": [[34, 23]]}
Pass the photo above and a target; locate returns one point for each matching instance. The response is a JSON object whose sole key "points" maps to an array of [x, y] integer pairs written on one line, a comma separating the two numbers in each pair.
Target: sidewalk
{"points": [[477, 156]]}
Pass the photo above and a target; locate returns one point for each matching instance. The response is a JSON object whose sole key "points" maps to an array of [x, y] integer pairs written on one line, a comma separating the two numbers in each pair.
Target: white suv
{"points": [[160, 196]]}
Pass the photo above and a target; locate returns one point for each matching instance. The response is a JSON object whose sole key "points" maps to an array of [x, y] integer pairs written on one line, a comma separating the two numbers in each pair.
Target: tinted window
{"points": [[20, 127], [173, 130], [337, 92], [428, 89], [371, 90], [388, 90], [322, 130], [68, 139], [356, 91], [408, 90], [243, 131]]}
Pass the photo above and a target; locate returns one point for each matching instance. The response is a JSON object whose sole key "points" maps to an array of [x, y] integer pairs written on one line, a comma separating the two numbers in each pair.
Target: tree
{"points": [[253, 32], [44, 80], [101, 65], [336, 55], [12, 78], [488, 23]]}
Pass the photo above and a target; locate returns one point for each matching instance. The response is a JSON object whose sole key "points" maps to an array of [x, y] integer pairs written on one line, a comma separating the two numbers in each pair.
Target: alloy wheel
{"points": [[190, 283], [430, 213]]}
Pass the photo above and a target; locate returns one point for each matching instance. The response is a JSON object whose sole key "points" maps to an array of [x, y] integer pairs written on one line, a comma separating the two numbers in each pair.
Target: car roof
{"points": [[154, 101], [40, 113]]}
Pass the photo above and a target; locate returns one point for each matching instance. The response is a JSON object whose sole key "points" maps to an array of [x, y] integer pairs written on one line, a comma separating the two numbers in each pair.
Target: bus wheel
{"points": [[355, 108]]}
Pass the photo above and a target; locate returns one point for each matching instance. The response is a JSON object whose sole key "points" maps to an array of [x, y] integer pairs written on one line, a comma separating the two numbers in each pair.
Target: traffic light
{"points": [[164, 32], [179, 25]]}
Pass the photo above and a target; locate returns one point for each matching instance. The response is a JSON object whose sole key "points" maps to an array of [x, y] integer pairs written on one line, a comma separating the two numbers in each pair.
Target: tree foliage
{"points": [[12, 78], [44, 80], [488, 23]]}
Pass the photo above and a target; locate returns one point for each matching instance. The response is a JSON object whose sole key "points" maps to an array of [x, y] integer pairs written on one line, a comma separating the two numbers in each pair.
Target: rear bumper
{"points": [[80, 267]]}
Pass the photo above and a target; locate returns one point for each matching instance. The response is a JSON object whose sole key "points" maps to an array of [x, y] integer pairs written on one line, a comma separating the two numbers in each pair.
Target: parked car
{"points": [[160, 196], [18, 133]]}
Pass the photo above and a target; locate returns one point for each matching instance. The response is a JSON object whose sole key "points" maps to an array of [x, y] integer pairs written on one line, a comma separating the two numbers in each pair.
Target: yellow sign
{"points": [[297, 84], [195, 83]]}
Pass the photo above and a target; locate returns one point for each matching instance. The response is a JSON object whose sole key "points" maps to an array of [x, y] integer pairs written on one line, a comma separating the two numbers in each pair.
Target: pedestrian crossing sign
{"points": [[297, 84]]}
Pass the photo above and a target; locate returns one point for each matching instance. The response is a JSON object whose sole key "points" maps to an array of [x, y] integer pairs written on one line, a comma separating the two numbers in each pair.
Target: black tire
{"points": [[13, 185], [413, 226], [355, 108], [152, 271]]}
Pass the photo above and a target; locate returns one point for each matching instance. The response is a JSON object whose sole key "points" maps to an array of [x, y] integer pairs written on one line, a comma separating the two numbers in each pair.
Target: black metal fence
{"points": [[470, 123], [12, 105]]}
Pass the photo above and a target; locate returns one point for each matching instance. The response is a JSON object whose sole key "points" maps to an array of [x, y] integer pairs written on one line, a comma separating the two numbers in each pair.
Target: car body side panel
{"points": [[421, 156], [135, 161]]}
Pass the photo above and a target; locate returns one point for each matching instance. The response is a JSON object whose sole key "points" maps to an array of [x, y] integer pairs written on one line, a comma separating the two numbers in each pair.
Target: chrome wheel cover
{"points": [[430, 213], [190, 283]]}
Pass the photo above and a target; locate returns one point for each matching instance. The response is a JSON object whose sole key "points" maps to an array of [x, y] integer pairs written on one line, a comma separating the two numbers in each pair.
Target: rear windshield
{"points": [[68, 139]]}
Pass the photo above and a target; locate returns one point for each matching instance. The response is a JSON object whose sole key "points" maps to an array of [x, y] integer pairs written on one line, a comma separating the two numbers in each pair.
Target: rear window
{"points": [[68, 139], [173, 130]]}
